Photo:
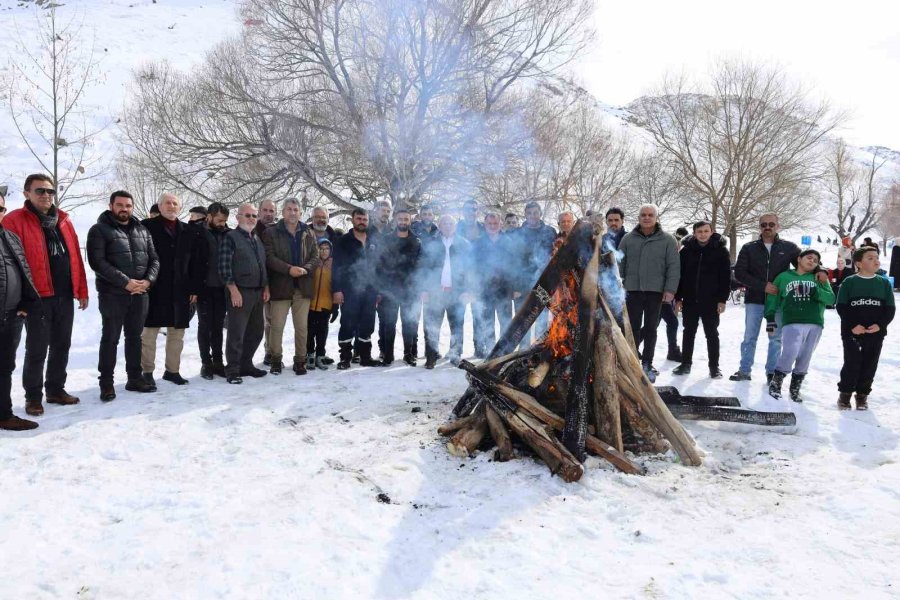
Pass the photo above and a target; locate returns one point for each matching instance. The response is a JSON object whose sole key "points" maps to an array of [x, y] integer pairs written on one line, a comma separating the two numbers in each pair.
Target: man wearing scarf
{"points": [[53, 255]]}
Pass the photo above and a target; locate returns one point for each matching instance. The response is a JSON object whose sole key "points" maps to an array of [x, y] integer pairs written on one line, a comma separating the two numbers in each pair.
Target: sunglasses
{"points": [[250, 215], [768, 225], [43, 191]]}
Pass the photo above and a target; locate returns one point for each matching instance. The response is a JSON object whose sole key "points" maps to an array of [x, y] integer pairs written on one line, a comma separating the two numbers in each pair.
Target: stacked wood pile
{"points": [[581, 388]]}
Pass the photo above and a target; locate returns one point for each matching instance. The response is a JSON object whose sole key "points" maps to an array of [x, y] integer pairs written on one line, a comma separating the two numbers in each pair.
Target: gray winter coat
{"points": [[650, 263]]}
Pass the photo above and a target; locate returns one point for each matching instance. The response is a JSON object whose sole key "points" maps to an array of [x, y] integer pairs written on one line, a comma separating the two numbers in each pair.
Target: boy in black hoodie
{"points": [[865, 303]]}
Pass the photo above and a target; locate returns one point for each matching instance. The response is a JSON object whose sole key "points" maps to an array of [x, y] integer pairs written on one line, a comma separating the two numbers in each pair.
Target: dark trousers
{"points": [[317, 326], [667, 314], [10, 334], [357, 322], [210, 323], [121, 311], [391, 307], [484, 311], [692, 314], [861, 354], [643, 313], [48, 338], [541, 324], [246, 327], [440, 303]]}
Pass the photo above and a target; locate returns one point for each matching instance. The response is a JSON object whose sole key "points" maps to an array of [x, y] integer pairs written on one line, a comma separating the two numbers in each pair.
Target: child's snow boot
{"points": [[775, 384], [796, 382]]}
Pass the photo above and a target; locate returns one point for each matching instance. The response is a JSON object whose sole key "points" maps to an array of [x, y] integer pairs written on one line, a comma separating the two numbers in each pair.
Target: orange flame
{"points": [[564, 306]]}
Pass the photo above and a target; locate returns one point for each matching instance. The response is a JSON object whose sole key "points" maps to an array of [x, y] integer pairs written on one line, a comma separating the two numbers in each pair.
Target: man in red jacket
{"points": [[54, 257]]}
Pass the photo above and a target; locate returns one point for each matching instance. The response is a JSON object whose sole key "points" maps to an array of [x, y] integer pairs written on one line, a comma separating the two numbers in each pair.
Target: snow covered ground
{"points": [[269, 490]]}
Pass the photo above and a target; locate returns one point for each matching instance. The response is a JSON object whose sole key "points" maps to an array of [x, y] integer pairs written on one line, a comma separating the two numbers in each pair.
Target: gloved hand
{"points": [[334, 313], [771, 326]]}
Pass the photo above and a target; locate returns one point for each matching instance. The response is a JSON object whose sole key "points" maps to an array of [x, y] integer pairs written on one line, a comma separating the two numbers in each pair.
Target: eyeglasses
{"points": [[43, 191], [2, 209], [250, 215], [768, 225]]}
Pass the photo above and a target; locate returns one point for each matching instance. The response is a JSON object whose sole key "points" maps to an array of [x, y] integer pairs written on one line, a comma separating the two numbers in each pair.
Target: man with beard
{"points": [[320, 226], [424, 227], [494, 291], [170, 298], [291, 256], [18, 297], [208, 291], [615, 229], [268, 211], [353, 287], [121, 253], [446, 275], [395, 270], [54, 257], [380, 221], [702, 294], [242, 267], [468, 226]]}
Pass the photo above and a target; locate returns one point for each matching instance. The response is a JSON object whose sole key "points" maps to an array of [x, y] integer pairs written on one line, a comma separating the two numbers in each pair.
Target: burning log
{"points": [[584, 367]]}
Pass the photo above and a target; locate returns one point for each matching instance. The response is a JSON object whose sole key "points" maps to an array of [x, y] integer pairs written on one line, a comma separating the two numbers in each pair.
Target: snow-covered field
{"points": [[269, 490]]}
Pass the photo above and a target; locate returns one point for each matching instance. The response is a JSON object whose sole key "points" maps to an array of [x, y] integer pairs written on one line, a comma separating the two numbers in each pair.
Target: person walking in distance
{"points": [[395, 270], [242, 267], [170, 298], [650, 270], [210, 291], [121, 253], [291, 256], [758, 264], [802, 300], [865, 303], [702, 294], [54, 257], [321, 307], [353, 285], [18, 297]]}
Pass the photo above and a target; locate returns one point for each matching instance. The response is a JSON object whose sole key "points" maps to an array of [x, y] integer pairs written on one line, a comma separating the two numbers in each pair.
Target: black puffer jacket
{"points": [[30, 301], [705, 272], [397, 265], [118, 253], [756, 266]]}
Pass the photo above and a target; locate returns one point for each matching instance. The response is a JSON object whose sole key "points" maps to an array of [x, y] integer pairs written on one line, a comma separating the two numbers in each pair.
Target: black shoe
{"points": [[740, 376], [775, 384], [148, 377], [410, 360], [139, 385], [327, 360], [355, 360], [844, 401], [107, 392], [234, 379], [715, 373], [368, 361], [175, 378], [276, 367], [343, 365], [219, 368], [207, 371], [253, 372], [674, 354], [682, 369], [267, 359], [794, 387], [429, 363]]}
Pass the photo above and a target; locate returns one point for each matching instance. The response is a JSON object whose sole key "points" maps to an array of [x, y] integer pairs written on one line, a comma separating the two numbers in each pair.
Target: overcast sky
{"points": [[851, 55]]}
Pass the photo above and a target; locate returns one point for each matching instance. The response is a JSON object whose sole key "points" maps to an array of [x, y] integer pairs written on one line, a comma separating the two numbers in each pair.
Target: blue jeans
{"points": [[754, 315]]}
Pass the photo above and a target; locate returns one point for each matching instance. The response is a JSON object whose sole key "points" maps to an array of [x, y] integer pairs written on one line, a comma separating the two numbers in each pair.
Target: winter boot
{"points": [[346, 355], [682, 369], [139, 385], [151, 383], [174, 377], [311, 361], [218, 367], [844, 401], [674, 354], [410, 359], [206, 371], [769, 377], [267, 359], [794, 389], [365, 356], [107, 392], [276, 366], [715, 373], [862, 401], [775, 384], [300, 366], [321, 364], [739, 376]]}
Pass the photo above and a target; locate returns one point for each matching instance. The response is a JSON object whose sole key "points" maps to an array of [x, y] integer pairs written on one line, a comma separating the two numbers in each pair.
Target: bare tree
{"points": [[50, 75], [888, 224], [656, 179], [353, 99], [745, 142], [857, 190]]}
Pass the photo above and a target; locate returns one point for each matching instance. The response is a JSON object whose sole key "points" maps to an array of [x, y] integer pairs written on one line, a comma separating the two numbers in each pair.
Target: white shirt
{"points": [[446, 274]]}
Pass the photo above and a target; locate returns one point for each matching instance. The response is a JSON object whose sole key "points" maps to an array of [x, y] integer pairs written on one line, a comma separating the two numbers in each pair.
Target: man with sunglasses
{"points": [[242, 268], [53, 255], [758, 263], [18, 298]]}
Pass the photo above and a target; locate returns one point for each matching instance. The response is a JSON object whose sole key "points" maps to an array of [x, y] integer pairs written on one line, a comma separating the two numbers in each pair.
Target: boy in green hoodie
{"points": [[802, 301]]}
